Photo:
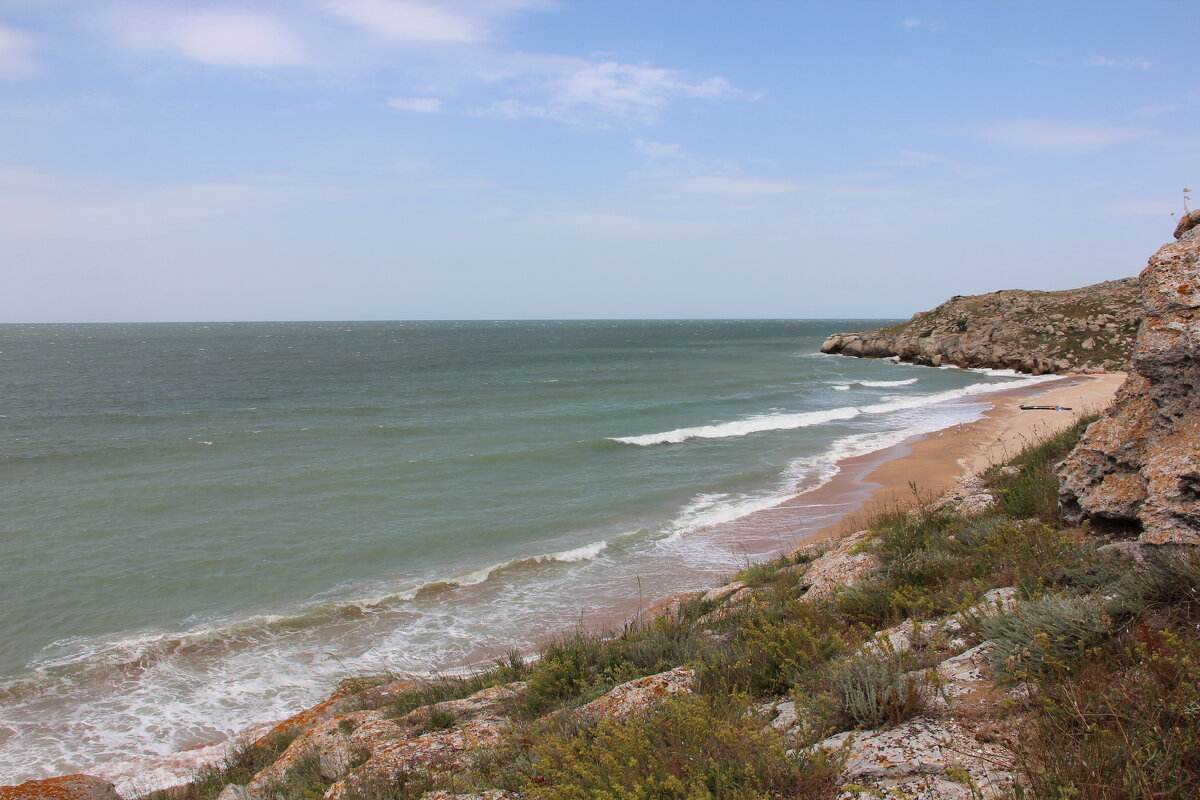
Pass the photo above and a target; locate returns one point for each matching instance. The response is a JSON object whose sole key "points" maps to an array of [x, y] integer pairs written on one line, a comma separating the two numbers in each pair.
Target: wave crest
{"points": [[783, 422]]}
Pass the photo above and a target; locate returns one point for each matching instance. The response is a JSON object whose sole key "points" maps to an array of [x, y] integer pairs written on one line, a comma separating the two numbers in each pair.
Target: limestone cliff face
{"points": [[1079, 330], [1141, 463]]}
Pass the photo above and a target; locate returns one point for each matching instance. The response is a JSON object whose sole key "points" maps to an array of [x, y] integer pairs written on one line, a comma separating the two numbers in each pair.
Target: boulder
{"points": [[640, 694], [844, 562], [66, 787], [934, 759], [1187, 222]]}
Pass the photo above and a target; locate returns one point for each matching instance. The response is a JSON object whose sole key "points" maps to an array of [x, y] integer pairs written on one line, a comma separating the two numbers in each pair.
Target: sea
{"points": [[204, 527]]}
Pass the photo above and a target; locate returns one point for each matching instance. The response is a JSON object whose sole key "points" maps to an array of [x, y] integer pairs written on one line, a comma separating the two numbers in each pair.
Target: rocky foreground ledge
{"points": [[1091, 329]]}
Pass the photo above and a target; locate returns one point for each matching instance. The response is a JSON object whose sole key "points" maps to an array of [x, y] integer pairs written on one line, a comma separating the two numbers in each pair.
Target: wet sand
{"points": [[927, 466]]}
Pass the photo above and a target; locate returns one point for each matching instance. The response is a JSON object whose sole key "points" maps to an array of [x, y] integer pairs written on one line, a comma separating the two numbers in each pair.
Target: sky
{"points": [[166, 160]]}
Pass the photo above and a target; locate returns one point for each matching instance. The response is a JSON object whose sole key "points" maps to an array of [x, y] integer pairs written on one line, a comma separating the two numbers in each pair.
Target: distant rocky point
{"points": [[1091, 329]]}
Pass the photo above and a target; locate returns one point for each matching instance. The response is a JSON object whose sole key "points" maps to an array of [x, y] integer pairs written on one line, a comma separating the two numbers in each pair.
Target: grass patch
{"points": [[684, 749], [1026, 487], [506, 669], [238, 767]]}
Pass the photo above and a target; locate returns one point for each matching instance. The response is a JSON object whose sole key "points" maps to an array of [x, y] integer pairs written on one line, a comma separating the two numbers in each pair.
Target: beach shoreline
{"points": [[928, 465], [923, 466]]}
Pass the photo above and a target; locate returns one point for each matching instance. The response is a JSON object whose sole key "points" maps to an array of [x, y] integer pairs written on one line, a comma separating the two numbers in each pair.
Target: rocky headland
{"points": [[1091, 329]]}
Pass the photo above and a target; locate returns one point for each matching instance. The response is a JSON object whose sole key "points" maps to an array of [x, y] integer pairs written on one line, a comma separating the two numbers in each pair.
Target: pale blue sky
{"points": [[418, 159]]}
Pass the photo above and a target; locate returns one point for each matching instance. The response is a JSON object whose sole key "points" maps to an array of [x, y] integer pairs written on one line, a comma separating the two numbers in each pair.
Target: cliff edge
{"points": [[1141, 463], [1091, 329]]}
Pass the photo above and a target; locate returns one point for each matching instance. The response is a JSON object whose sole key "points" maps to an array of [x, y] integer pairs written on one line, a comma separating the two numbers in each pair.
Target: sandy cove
{"points": [[933, 463]]}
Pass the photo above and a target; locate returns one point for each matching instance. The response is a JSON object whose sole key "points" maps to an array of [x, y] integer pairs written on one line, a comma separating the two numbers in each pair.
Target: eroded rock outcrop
{"points": [[1141, 463], [1091, 329], [67, 787]]}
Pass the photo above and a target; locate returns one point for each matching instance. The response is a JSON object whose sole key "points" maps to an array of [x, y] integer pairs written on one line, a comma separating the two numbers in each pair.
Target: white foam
{"points": [[742, 427], [781, 422], [805, 474], [884, 384], [840, 387]]}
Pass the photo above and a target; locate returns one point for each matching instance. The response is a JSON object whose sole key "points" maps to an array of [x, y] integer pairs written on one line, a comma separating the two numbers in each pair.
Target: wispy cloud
{"points": [[417, 22], [582, 92], [219, 36], [1058, 136], [1104, 61], [17, 60], [436, 47], [1148, 112], [419, 105], [668, 167]]}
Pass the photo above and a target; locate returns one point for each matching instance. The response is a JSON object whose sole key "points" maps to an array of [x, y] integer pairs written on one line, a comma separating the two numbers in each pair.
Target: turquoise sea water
{"points": [[204, 526]]}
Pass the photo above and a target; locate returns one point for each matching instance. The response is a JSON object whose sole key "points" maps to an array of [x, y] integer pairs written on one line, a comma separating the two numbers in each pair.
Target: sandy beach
{"points": [[927, 466]]}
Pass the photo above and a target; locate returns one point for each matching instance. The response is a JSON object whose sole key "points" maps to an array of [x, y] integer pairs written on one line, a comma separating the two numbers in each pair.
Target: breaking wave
{"points": [[782, 422]]}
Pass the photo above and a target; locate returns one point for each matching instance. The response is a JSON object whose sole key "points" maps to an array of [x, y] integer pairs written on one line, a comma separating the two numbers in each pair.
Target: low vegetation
{"points": [[1105, 649]]}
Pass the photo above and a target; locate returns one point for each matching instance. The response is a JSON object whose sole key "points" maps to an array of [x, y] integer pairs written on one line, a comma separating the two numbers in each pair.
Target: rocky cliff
{"points": [[1079, 330], [1141, 463]]}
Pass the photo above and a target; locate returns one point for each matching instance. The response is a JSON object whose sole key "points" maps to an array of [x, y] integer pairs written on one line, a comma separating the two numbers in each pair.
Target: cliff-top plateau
{"points": [[1091, 329]]}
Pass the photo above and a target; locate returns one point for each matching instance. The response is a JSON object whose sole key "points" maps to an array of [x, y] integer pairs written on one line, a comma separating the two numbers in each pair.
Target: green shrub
{"points": [[687, 748], [1045, 634], [874, 690], [1032, 490], [1124, 726], [773, 648]]}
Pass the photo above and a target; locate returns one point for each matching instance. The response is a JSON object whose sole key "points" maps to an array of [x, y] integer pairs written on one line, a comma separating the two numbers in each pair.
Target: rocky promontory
{"points": [[1091, 329], [1141, 463]]}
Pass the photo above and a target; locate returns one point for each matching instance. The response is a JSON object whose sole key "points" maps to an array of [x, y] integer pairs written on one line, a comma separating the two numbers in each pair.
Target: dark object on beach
{"points": [[1046, 408]]}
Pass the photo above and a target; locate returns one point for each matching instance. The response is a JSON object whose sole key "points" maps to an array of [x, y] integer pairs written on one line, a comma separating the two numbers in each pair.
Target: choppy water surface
{"points": [[204, 526]]}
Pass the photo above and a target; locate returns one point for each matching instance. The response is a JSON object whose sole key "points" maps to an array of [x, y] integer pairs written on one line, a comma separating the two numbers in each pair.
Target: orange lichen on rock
{"points": [[66, 787]]}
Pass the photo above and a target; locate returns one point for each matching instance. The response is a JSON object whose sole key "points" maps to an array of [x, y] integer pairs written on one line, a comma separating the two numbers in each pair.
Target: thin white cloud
{"points": [[419, 105], [220, 36], [658, 150], [924, 24], [586, 91], [1104, 61], [442, 47], [16, 55], [670, 169], [420, 22], [1148, 112], [1058, 136]]}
